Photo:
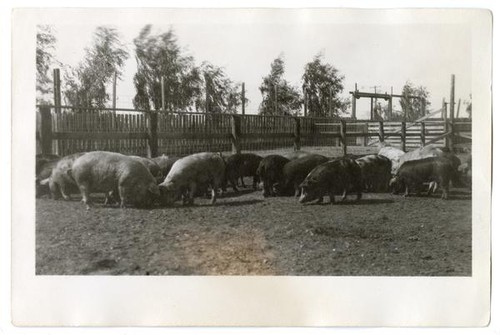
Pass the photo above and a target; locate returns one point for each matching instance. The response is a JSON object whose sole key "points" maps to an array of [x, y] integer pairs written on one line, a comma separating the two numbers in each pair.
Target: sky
{"points": [[370, 54]]}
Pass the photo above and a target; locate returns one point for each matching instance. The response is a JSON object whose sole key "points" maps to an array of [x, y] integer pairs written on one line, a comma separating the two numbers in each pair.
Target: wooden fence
{"points": [[67, 130]]}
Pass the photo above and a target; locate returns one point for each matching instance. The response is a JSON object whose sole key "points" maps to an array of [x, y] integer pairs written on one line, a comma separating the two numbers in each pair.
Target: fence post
{"points": [[243, 98], [296, 134], [235, 132], [163, 93], [452, 98], [445, 124], [389, 109], [381, 135], [57, 90], [114, 92], [343, 140], [153, 134], [422, 134], [403, 136], [450, 137], [366, 129], [46, 130]]}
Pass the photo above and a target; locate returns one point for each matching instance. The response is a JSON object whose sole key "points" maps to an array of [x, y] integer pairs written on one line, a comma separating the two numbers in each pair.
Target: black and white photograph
{"points": [[216, 143], [193, 155]]}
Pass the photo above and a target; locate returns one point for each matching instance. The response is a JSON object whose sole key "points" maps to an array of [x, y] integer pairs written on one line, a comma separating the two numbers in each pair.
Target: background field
{"points": [[245, 234]]}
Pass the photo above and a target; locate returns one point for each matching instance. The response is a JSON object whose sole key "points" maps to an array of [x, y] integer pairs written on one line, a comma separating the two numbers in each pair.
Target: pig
{"points": [[165, 163], [270, 171], [295, 171], [60, 182], [242, 165], [151, 165], [411, 176], [375, 171], [102, 171], [338, 176], [296, 154], [190, 173]]}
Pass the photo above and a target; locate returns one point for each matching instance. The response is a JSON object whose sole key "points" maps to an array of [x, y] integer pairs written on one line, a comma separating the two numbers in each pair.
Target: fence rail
{"points": [[68, 130]]}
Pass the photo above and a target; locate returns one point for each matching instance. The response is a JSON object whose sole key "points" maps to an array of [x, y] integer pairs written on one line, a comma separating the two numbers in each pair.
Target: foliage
{"points": [[160, 56], [222, 94], [45, 47], [86, 85], [278, 96], [323, 85], [412, 107]]}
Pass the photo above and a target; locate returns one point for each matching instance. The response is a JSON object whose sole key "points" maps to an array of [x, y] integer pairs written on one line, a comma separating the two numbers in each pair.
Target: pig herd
{"points": [[134, 181]]}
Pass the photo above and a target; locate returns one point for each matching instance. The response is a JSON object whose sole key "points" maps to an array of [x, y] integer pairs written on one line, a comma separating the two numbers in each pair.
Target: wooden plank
{"points": [[191, 136], [267, 136], [81, 135]]}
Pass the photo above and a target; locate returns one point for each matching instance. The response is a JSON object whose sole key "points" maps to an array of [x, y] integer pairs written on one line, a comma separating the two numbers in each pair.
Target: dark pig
{"points": [[413, 174], [165, 163], [151, 165], [295, 171], [375, 171], [101, 171], [242, 165], [270, 171], [191, 173], [338, 176]]}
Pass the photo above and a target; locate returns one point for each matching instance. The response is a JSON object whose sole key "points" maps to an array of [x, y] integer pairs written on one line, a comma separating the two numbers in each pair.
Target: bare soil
{"points": [[245, 234]]}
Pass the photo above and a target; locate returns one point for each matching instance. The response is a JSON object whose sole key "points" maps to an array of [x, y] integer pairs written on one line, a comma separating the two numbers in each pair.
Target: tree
{"points": [[222, 94], [45, 47], [278, 96], [412, 107], [86, 85], [323, 85], [160, 56]]}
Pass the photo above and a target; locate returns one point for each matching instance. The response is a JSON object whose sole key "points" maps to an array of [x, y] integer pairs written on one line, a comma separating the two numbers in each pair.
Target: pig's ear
{"points": [[153, 188]]}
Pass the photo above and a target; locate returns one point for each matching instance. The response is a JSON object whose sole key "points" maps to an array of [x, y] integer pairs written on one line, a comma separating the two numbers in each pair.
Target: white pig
{"points": [[192, 172], [101, 171]]}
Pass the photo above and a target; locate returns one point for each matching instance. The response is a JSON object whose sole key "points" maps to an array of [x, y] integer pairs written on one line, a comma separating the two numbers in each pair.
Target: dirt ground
{"points": [[245, 234]]}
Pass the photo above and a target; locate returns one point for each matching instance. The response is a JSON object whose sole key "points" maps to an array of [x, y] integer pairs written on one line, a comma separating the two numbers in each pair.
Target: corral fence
{"points": [[64, 130]]}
